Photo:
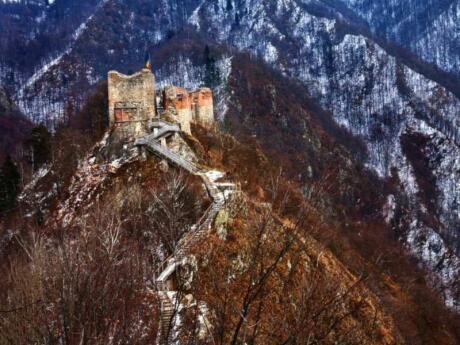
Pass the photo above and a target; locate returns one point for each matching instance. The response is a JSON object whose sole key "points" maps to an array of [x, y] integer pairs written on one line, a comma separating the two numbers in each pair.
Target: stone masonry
{"points": [[203, 105], [132, 104], [189, 107], [177, 104]]}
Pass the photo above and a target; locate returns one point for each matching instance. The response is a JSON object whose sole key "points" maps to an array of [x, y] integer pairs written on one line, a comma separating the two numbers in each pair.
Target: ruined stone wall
{"points": [[188, 107], [131, 101], [203, 105], [178, 103]]}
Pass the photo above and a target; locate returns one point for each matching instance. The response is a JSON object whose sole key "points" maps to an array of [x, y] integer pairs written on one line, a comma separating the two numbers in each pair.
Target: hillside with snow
{"points": [[429, 28], [373, 85]]}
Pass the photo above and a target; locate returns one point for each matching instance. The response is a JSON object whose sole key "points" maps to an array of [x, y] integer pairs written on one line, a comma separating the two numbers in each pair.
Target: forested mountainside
{"points": [[372, 94], [402, 112], [14, 127], [300, 248], [429, 28]]}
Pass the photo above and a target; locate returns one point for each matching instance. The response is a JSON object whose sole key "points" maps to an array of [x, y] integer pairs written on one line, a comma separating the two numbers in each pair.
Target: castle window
{"points": [[121, 115], [126, 116], [126, 112]]}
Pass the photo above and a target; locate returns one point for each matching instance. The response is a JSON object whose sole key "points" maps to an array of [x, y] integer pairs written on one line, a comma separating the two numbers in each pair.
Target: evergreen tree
{"points": [[92, 119], [9, 184], [212, 75], [229, 5], [237, 20], [40, 146]]}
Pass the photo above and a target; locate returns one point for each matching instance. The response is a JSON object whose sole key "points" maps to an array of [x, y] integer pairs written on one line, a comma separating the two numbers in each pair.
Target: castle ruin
{"points": [[155, 124], [133, 104], [187, 107]]}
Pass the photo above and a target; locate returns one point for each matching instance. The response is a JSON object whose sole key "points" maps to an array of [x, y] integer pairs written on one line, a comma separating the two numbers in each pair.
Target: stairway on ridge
{"points": [[187, 241]]}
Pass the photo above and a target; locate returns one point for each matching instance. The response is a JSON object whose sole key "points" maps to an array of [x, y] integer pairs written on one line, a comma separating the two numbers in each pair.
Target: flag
{"points": [[148, 64]]}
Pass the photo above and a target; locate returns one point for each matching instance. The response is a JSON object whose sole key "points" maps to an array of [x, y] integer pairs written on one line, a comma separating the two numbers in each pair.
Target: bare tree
{"points": [[173, 210], [88, 289], [268, 283]]}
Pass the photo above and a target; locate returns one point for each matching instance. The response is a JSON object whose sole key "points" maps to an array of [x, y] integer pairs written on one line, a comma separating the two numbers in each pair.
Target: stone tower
{"points": [[177, 103], [132, 102], [187, 107], [203, 106]]}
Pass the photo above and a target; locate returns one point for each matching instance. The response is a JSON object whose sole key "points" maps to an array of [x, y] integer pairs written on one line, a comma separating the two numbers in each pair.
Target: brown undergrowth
{"points": [[364, 245]]}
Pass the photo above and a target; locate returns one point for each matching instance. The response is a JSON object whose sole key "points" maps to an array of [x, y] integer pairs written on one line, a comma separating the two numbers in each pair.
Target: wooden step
{"points": [[166, 319]]}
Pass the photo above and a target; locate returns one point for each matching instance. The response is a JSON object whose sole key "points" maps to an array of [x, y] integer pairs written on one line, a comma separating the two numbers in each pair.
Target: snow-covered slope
{"points": [[371, 94], [430, 28]]}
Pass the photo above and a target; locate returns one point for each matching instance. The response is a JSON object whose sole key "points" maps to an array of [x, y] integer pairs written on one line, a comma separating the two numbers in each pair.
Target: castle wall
{"points": [[131, 101], [203, 106], [180, 101], [188, 107]]}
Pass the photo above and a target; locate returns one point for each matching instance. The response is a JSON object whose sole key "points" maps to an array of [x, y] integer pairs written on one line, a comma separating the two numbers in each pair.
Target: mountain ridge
{"points": [[380, 99]]}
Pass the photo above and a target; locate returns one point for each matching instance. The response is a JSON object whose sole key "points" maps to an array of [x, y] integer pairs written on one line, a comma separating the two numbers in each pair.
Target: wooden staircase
{"points": [[197, 231], [167, 314], [151, 143]]}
